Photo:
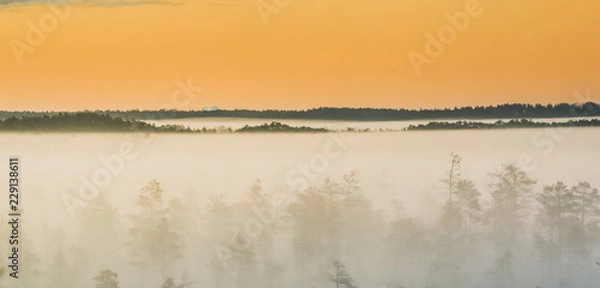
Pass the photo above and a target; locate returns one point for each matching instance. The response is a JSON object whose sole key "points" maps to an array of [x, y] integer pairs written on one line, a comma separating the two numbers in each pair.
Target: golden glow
{"points": [[312, 53]]}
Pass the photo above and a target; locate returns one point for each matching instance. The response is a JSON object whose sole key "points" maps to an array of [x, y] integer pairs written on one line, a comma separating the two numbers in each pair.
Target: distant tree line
{"points": [[515, 123], [94, 122], [85, 121], [279, 127], [503, 111]]}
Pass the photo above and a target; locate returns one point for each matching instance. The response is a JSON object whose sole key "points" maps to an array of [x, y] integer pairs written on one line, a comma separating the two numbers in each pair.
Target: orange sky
{"points": [[311, 53]]}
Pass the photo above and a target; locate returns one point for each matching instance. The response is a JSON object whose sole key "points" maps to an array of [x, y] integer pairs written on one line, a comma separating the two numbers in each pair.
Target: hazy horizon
{"points": [[207, 108]]}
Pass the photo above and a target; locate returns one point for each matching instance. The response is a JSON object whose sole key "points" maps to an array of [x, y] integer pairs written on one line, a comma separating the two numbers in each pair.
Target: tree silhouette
{"points": [[467, 200], [451, 219], [586, 209], [502, 272], [106, 279], [511, 199], [169, 283], [98, 224], [340, 277], [154, 244], [556, 201]]}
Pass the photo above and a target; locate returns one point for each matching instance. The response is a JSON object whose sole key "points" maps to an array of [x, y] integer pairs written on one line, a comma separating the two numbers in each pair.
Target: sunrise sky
{"points": [[307, 53]]}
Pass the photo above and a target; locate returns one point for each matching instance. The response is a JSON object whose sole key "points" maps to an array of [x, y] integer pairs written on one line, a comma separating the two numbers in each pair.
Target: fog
{"points": [[236, 123], [306, 210]]}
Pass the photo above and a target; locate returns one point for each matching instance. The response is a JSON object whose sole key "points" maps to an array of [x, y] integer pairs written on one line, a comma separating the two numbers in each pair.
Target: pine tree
{"points": [[154, 244], [467, 199], [451, 218], [107, 279], [586, 209], [557, 202], [98, 224], [256, 194], [350, 186], [169, 283], [163, 246], [318, 224], [454, 224], [218, 223], [181, 217], [511, 199], [340, 277], [185, 281], [502, 273]]}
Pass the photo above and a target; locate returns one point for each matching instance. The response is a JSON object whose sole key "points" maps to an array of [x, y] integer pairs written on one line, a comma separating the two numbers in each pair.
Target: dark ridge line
{"points": [[504, 111]]}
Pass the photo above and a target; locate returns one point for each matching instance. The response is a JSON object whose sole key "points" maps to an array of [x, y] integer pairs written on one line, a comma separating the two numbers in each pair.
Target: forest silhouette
{"points": [[105, 122], [512, 233], [503, 111]]}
